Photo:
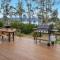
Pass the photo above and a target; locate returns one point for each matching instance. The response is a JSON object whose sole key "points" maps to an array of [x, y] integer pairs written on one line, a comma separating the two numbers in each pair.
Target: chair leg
{"points": [[13, 37]]}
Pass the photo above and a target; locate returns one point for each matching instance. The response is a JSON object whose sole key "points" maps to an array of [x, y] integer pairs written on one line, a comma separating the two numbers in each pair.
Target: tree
{"points": [[45, 7], [5, 6], [54, 16], [20, 9], [55, 13], [13, 12], [29, 10]]}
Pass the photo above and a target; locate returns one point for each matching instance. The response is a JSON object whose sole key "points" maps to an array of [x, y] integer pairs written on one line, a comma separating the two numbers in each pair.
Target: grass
{"points": [[57, 41]]}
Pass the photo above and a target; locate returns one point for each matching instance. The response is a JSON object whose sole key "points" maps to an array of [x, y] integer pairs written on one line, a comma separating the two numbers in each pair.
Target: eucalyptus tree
{"points": [[13, 12], [45, 7], [29, 9], [5, 6], [54, 16], [20, 9]]}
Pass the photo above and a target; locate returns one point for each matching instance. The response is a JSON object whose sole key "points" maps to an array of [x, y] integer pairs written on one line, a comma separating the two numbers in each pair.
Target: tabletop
{"points": [[7, 30]]}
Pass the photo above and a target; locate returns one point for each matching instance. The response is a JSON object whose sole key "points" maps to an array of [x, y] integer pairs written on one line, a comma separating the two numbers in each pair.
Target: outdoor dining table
{"points": [[9, 31]]}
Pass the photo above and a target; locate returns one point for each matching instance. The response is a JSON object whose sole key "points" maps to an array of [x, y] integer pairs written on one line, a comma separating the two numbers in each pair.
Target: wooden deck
{"points": [[26, 49]]}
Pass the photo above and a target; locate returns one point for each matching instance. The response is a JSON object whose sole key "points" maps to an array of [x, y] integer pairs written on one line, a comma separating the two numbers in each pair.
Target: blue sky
{"points": [[57, 5], [14, 3]]}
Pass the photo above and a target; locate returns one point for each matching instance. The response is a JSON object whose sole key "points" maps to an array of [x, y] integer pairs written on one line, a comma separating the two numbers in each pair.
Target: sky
{"points": [[14, 3]]}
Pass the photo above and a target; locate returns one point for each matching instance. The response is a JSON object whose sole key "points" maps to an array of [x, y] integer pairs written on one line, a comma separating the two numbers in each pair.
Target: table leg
{"points": [[2, 36], [9, 37], [13, 36]]}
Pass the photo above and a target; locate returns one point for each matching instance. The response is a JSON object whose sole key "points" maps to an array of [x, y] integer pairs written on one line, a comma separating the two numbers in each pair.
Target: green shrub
{"points": [[23, 28], [27, 28], [1, 24], [16, 24], [57, 25]]}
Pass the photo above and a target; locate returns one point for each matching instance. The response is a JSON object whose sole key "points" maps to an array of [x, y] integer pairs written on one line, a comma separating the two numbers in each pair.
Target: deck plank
{"points": [[25, 49]]}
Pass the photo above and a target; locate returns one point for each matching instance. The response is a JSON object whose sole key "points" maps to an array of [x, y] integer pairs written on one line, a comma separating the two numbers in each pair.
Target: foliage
{"points": [[58, 25], [55, 13], [45, 11], [27, 28], [1, 24], [15, 24], [53, 19], [54, 16], [5, 8], [20, 9], [57, 41], [23, 28]]}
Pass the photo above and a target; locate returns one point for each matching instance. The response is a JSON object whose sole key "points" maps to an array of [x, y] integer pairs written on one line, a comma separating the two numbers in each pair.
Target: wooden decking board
{"points": [[26, 49]]}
